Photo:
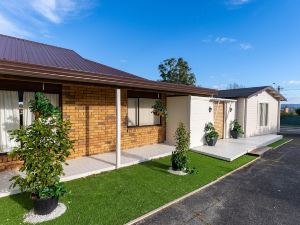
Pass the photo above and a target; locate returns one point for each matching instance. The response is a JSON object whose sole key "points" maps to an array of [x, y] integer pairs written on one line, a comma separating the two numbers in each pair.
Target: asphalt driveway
{"points": [[266, 192]]}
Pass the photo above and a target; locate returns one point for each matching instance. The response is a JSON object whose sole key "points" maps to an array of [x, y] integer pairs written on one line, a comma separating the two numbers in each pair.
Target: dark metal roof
{"points": [[32, 59], [248, 92]]}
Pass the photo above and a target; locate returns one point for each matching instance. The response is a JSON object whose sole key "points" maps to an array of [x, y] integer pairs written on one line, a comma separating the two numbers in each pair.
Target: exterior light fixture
{"points": [[230, 109], [209, 109]]}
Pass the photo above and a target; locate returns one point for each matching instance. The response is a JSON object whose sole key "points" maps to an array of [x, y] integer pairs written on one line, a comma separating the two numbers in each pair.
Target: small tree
{"points": [[298, 111], [43, 147], [177, 71], [179, 156]]}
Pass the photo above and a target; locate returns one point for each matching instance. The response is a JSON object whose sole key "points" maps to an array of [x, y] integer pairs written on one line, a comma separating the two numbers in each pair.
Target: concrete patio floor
{"points": [[95, 164], [231, 149]]}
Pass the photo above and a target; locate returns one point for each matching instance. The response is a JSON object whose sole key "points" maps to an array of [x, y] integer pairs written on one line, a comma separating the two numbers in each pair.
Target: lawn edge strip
{"points": [[189, 194], [287, 141]]}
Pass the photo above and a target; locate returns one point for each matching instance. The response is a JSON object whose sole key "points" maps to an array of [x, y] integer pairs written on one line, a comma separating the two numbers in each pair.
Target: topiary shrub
{"points": [[43, 147], [179, 157]]}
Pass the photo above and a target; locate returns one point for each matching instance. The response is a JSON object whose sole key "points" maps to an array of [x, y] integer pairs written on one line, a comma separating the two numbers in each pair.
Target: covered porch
{"points": [[231, 149], [95, 164]]}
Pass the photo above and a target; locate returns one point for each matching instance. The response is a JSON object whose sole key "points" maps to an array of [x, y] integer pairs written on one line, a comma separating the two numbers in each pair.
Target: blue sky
{"points": [[249, 42]]}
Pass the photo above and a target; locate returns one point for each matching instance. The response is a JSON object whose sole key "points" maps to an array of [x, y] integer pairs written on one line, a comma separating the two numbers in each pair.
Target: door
{"points": [[219, 118]]}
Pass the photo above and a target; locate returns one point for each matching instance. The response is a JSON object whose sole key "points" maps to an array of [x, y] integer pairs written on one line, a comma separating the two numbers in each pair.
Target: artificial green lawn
{"points": [[119, 196], [278, 143]]}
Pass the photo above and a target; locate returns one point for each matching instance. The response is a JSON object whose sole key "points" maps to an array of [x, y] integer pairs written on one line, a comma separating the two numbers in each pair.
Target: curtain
{"points": [[28, 116], [9, 118], [132, 111], [146, 117], [263, 115], [54, 99]]}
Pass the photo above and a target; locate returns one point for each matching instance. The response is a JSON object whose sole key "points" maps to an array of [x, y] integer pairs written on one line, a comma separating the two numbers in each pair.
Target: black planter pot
{"points": [[44, 206], [234, 134], [212, 141]]}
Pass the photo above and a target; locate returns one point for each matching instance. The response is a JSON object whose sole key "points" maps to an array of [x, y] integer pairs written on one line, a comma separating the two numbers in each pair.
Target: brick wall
{"points": [[7, 163], [93, 117]]}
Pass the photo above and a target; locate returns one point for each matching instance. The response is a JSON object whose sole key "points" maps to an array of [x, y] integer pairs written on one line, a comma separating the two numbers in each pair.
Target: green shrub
{"points": [[210, 132], [298, 111], [43, 147], [179, 157], [235, 126]]}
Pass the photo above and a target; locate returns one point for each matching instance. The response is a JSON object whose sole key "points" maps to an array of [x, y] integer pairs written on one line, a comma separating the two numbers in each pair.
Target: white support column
{"points": [[118, 128]]}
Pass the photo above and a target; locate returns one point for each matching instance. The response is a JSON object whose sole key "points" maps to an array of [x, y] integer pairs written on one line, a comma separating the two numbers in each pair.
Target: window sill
{"points": [[3, 153], [156, 125]]}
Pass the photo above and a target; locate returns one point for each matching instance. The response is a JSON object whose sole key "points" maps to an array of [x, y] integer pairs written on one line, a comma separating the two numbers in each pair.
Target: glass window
{"points": [[263, 114], [140, 112]]}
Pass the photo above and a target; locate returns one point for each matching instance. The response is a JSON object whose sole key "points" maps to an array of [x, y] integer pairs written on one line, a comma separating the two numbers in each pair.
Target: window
{"points": [[140, 112], [263, 114], [15, 112]]}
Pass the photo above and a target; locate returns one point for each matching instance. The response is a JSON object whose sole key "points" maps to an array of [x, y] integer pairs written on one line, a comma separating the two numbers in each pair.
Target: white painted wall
{"points": [[229, 117], [199, 117], [240, 111], [178, 111], [252, 118]]}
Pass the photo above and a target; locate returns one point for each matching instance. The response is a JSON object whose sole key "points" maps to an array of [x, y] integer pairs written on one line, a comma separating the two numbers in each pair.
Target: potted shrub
{"points": [[159, 109], [43, 147], [211, 135], [236, 129], [179, 157]]}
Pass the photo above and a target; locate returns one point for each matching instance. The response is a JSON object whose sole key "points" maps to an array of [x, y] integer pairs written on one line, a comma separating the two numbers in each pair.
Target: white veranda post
{"points": [[118, 128]]}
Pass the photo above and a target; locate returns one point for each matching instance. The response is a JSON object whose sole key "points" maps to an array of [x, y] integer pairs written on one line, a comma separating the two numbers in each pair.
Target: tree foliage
{"points": [[235, 86], [43, 147], [297, 111], [177, 71]]}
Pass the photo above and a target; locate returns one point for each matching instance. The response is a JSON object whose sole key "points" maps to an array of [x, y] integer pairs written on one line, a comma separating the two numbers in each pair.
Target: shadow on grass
{"points": [[157, 166], [23, 200]]}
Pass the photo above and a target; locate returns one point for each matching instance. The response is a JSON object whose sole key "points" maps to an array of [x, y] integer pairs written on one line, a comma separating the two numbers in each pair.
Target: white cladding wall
{"points": [[178, 111], [229, 117], [199, 117], [252, 117], [194, 112], [240, 111]]}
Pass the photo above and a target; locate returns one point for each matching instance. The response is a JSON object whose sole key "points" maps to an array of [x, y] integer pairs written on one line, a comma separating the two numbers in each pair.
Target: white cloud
{"points": [[223, 40], [293, 82], [238, 2], [54, 10], [219, 86], [245, 46], [10, 28]]}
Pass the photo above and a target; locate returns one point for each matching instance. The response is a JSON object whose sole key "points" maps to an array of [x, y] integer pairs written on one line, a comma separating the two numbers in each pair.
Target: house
{"points": [[257, 109], [110, 110]]}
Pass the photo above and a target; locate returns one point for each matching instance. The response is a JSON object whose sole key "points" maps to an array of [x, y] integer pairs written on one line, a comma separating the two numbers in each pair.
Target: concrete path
{"points": [[230, 149], [95, 164], [266, 192]]}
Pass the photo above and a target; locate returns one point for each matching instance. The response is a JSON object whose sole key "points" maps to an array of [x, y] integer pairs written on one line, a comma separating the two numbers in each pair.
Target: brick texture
{"points": [[93, 117]]}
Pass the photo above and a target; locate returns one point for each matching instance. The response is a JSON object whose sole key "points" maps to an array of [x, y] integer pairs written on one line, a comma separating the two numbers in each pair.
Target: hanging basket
{"points": [[158, 114]]}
